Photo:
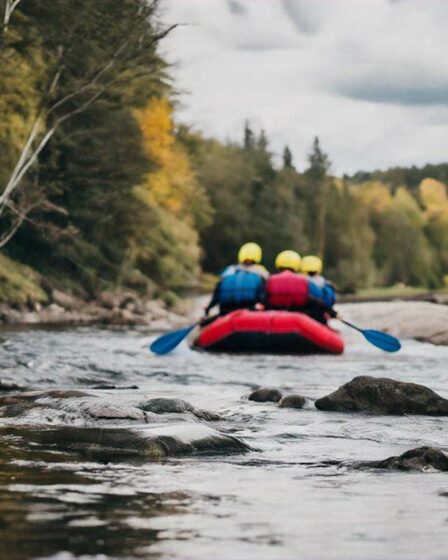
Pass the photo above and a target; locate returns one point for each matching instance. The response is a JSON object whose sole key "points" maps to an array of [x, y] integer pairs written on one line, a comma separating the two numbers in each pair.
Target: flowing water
{"points": [[280, 500]]}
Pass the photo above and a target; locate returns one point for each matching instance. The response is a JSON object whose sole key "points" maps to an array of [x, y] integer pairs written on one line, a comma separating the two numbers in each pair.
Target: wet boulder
{"points": [[66, 301], [153, 443], [384, 396], [176, 406], [107, 411], [419, 459], [292, 401], [265, 394]]}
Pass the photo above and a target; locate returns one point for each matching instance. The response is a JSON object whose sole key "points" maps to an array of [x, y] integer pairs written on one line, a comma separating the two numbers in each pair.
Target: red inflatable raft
{"points": [[273, 332]]}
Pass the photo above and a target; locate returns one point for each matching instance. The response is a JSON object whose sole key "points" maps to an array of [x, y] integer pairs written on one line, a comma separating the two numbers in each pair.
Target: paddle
{"points": [[169, 341], [386, 342]]}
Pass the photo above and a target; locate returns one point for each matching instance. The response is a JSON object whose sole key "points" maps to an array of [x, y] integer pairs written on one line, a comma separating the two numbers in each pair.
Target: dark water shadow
{"points": [[55, 508]]}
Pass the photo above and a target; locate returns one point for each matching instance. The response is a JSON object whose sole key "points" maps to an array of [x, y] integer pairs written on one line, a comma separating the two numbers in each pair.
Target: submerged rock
{"points": [[153, 443], [419, 459], [292, 401], [265, 394], [176, 406], [384, 396]]}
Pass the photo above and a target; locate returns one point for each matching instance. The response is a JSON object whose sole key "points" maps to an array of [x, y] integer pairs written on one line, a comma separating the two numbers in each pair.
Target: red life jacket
{"points": [[287, 290]]}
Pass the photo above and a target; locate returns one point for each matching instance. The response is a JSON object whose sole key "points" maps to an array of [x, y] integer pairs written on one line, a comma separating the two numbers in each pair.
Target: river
{"points": [[278, 501]]}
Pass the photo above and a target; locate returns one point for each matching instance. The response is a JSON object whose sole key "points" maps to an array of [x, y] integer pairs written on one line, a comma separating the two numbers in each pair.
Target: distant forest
{"points": [[101, 188]]}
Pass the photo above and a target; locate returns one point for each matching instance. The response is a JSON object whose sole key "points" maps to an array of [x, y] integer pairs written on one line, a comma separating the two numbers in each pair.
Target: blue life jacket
{"points": [[241, 287], [325, 294]]}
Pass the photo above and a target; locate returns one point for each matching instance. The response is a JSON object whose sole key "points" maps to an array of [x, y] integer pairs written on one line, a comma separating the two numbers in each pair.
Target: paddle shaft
{"points": [[350, 325]]}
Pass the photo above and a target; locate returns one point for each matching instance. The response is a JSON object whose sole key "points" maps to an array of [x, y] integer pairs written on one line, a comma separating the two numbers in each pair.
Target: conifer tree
{"points": [[249, 138], [287, 158], [318, 181], [262, 141]]}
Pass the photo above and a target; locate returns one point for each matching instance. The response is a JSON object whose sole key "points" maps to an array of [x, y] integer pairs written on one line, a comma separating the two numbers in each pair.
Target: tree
{"points": [[402, 250], [318, 182], [349, 241], [249, 137], [172, 191], [433, 195], [287, 158], [93, 50]]}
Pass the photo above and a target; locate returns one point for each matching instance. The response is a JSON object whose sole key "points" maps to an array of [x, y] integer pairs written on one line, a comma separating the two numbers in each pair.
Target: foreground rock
{"points": [[419, 459], [176, 406], [384, 396], [292, 401], [265, 394], [153, 443]]}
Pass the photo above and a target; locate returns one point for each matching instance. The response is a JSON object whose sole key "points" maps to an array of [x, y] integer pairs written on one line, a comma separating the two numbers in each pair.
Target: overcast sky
{"points": [[369, 77]]}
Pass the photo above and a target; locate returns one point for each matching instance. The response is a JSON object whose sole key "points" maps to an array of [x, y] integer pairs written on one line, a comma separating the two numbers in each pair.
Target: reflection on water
{"points": [[285, 500], [50, 504]]}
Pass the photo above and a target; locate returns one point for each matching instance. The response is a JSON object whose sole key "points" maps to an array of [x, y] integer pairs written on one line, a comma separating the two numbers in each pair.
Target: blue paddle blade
{"points": [[169, 341], [386, 342]]}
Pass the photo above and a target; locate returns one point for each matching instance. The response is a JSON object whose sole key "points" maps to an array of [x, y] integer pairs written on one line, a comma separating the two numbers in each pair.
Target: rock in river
{"points": [[380, 395], [177, 406], [419, 459], [152, 443], [265, 394], [292, 401]]}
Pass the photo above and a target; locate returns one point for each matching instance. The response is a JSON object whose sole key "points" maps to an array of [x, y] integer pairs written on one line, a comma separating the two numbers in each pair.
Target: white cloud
{"points": [[370, 77]]}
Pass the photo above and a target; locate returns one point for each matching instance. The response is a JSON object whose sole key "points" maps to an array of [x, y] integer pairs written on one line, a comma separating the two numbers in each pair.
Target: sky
{"points": [[369, 77]]}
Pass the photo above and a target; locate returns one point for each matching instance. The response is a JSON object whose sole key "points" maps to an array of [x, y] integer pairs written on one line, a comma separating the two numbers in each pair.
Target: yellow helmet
{"points": [[288, 259], [250, 252], [312, 265]]}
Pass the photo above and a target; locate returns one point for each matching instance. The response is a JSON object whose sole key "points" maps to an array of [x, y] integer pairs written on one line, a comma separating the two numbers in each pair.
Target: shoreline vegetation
{"points": [[111, 209]]}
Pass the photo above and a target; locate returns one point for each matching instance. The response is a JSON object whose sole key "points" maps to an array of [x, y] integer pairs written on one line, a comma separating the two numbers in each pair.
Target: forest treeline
{"points": [[100, 187]]}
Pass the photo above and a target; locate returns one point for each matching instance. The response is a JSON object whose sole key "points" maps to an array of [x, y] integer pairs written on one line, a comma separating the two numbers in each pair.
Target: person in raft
{"points": [[249, 259], [292, 291], [313, 266], [241, 286]]}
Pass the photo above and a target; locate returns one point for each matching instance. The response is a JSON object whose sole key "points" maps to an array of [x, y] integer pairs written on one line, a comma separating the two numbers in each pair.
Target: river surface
{"points": [[279, 501]]}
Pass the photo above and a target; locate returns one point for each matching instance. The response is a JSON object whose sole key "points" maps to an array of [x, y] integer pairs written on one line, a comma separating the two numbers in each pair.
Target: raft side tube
{"points": [[275, 332]]}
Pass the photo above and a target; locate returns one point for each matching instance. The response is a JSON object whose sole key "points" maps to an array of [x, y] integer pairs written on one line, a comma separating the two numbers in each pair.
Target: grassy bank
{"points": [[19, 284]]}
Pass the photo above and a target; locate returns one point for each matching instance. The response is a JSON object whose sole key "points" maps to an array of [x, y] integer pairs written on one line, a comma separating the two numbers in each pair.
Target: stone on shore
{"points": [[384, 396], [66, 301], [265, 394]]}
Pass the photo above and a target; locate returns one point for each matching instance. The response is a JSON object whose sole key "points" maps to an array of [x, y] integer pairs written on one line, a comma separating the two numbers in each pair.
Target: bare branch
{"points": [[119, 66], [10, 6], [9, 234]]}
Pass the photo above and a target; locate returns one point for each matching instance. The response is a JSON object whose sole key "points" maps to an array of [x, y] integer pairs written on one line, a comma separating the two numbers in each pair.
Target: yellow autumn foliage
{"points": [[376, 196], [433, 196], [173, 184]]}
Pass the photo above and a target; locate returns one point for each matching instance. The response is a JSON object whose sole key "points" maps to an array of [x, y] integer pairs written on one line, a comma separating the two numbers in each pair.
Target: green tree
{"points": [[287, 158], [317, 183]]}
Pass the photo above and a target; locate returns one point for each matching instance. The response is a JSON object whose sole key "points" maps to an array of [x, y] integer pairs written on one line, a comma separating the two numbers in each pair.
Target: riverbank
{"points": [[122, 308], [421, 320]]}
